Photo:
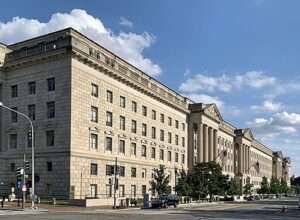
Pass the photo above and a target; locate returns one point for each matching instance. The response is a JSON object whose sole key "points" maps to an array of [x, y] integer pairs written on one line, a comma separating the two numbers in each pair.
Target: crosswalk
{"points": [[18, 212]]}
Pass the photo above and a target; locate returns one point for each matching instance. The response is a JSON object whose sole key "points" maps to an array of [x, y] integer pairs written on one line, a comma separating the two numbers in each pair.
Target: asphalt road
{"points": [[265, 210]]}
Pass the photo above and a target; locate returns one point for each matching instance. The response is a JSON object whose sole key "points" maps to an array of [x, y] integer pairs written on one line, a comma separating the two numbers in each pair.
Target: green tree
{"points": [[264, 186], [274, 185], [160, 181], [183, 185], [283, 186], [233, 188], [248, 187]]}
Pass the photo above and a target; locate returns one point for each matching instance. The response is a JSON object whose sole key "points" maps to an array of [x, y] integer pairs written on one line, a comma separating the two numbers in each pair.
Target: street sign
{"points": [[24, 188]]}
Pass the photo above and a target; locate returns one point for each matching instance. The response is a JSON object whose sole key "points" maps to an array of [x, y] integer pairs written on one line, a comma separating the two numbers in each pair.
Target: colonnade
{"points": [[244, 158]]}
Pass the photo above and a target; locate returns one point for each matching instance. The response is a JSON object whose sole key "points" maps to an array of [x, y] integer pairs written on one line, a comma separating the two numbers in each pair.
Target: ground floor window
{"points": [[133, 191], [108, 190], [121, 191], [93, 190]]}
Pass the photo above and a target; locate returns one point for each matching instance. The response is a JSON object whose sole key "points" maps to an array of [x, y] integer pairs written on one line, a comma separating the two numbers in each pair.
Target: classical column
{"points": [[239, 157], [205, 143], [246, 159], [200, 143], [211, 144], [242, 158], [215, 144]]}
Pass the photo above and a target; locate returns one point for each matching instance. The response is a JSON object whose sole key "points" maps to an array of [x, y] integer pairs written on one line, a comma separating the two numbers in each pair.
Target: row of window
{"points": [[121, 191], [48, 166], [32, 87], [133, 149], [122, 104]]}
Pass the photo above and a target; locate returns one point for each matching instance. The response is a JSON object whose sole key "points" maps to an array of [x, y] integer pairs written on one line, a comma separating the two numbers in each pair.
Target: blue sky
{"points": [[243, 55]]}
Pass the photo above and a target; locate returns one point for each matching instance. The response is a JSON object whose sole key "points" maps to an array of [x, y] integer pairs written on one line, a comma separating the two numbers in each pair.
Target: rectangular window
{"points": [[122, 147], [162, 118], [183, 142], [153, 135], [93, 190], [94, 141], [176, 139], [176, 157], [49, 166], [176, 124], [14, 91], [122, 123], [122, 102], [49, 138], [162, 135], [94, 169], [153, 153], [94, 91], [31, 88], [170, 121], [51, 84], [109, 170], [144, 189], [13, 141], [133, 172], [144, 172], [122, 171], [144, 151], [183, 126], [121, 191], [133, 106], [51, 110], [144, 129], [161, 154], [133, 191], [31, 112], [153, 115], [169, 138], [108, 190], [169, 156], [133, 126], [182, 159], [133, 149], [94, 114], [108, 143], [109, 96], [109, 119], [12, 167], [14, 115], [144, 110]]}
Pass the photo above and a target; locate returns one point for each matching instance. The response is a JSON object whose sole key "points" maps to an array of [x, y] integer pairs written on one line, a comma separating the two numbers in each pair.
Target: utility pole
{"points": [[115, 183]]}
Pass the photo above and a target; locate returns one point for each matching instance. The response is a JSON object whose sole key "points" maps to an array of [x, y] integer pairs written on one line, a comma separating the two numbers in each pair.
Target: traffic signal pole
{"points": [[23, 192], [115, 184]]}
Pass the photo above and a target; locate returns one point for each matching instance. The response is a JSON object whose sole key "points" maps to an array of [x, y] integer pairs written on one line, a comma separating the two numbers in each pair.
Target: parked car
{"points": [[251, 198], [257, 197], [165, 200]]}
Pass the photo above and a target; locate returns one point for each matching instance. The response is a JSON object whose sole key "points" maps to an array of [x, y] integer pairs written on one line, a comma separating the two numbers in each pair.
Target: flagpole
{"points": [[252, 166], [219, 154]]}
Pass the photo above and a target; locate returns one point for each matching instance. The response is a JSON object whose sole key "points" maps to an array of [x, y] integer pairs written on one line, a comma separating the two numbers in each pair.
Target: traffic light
{"points": [[26, 165], [110, 181], [20, 172], [117, 183], [117, 169]]}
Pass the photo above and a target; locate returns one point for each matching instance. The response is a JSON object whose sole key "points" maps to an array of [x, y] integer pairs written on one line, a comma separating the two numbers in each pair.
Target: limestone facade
{"points": [[90, 107]]}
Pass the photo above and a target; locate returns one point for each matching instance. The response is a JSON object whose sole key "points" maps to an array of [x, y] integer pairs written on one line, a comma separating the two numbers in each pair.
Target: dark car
{"points": [[251, 198], [165, 201]]}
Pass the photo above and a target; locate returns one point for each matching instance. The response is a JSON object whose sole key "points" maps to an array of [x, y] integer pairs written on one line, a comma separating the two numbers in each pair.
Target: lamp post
{"points": [[32, 149]]}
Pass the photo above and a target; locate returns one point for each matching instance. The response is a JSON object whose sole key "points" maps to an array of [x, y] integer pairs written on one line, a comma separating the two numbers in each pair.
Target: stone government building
{"points": [[89, 106]]}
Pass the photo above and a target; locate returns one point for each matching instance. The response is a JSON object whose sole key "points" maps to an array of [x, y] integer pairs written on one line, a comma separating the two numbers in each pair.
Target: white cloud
{"points": [[206, 99], [286, 118], [129, 46], [206, 83], [255, 79], [125, 22], [187, 72], [268, 106]]}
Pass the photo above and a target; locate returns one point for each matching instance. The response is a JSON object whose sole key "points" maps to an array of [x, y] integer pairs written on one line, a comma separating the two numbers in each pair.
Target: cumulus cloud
{"points": [[129, 46], [206, 99], [125, 22], [279, 123], [268, 106], [201, 82], [255, 79]]}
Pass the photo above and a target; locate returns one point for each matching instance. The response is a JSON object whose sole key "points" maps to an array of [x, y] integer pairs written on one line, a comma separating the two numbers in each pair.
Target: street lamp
{"points": [[32, 150]]}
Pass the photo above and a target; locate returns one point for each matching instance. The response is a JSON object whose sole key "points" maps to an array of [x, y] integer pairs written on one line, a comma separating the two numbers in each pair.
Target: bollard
{"points": [[54, 201], [282, 209]]}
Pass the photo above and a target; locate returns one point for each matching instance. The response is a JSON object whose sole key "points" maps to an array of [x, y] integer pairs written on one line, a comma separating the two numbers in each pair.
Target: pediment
{"points": [[27, 128], [12, 130], [169, 148], [134, 139], [161, 146], [213, 112], [176, 150], [94, 129], [109, 132], [122, 136], [49, 125], [144, 141], [248, 134], [153, 143]]}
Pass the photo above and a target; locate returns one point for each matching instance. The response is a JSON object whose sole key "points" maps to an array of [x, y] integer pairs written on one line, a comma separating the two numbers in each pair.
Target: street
{"points": [[267, 209]]}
